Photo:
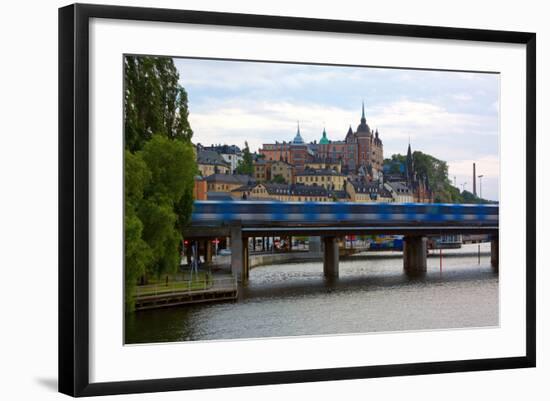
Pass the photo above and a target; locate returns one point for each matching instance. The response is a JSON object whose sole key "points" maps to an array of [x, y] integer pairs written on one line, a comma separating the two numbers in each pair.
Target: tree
{"points": [[137, 254], [278, 179], [172, 168], [159, 168], [468, 197], [396, 164], [435, 171], [154, 102], [245, 165]]}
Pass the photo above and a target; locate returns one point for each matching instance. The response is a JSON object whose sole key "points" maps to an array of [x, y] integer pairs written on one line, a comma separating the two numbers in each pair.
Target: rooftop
{"points": [[320, 172], [223, 149], [241, 179], [210, 157]]}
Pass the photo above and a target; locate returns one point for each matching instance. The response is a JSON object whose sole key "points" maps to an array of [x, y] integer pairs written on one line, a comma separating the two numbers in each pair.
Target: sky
{"points": [[453, 116]]}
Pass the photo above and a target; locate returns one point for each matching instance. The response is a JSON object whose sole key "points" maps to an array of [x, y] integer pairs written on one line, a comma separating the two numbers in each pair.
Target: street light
{"points": [[480, 193]]}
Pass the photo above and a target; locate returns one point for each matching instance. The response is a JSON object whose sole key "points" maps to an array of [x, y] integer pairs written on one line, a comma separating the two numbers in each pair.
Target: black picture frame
{"points": [[74, 198]]}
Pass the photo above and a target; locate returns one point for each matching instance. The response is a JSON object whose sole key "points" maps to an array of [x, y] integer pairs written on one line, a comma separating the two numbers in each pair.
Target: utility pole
{"points": [[474, 183]]}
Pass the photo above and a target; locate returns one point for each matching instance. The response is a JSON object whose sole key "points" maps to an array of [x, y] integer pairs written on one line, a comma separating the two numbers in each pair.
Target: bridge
{"points": [[240, 220]]}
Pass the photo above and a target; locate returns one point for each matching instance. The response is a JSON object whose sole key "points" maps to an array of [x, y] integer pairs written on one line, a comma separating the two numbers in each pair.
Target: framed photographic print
{"points": [[250, 199]]}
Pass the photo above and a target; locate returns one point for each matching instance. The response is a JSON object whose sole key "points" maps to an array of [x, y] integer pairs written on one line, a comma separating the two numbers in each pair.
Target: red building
{"points": [[360, 152], [296, 153]]}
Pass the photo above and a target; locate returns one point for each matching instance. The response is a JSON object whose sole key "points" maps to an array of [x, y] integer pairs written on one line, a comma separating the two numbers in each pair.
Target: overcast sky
{"points": [[450, 115]]}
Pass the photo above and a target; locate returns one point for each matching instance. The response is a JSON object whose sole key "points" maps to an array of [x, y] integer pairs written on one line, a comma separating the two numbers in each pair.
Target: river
{"points": [[372, 294]]}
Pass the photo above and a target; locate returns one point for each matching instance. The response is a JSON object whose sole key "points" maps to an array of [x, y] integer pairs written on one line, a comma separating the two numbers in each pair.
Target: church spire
{"points": [[409, 164], [324, 140], [298, 138], [363, 119]]}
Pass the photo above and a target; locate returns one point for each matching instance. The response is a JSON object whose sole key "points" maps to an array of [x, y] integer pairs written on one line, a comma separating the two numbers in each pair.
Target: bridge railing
{"points": [[186, 286]]}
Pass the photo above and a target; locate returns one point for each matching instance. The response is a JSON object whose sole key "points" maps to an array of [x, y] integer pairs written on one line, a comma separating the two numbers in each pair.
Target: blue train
{"points": [[344, 213]]}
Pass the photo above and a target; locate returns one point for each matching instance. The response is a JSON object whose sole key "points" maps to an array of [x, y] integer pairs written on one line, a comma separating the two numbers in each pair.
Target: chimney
{"points": [[474, 185]]}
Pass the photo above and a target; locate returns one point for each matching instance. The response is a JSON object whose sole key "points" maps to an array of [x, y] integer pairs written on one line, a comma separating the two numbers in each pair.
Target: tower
{"points": [[409, 166], [324, 140], [298, 138]]}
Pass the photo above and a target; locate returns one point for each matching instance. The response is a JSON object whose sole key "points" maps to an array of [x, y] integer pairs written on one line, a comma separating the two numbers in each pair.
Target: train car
{"points": [[261, 213]]}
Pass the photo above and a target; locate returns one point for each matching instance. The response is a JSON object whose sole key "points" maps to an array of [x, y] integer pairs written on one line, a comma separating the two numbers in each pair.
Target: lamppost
{"points": [[480, 192]]}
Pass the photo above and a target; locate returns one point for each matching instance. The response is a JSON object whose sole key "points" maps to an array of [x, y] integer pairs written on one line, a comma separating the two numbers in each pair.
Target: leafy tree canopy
{"points": [[278, 179], [154, 102], [437, 173], [159, 168], [246, 165]]}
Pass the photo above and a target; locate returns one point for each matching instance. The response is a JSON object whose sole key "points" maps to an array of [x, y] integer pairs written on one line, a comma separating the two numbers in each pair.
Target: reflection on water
{"points": [[372, 294]]}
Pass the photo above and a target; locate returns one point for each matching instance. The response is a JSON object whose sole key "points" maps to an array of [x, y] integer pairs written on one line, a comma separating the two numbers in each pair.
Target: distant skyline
{"points": [[453, 116]]}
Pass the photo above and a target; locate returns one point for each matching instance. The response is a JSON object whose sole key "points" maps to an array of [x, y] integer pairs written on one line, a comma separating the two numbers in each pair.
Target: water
{"points": [[371, 295]]}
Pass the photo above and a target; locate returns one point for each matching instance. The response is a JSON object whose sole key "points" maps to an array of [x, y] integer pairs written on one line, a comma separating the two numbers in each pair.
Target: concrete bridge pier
{"points": [[331, 257], [314, 244], [208, 251], [415, 252], [239, 255], [246, 262], [494, 253]]}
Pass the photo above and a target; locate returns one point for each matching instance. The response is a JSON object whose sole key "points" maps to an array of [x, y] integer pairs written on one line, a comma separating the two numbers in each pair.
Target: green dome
{"points": [[324, 139]]}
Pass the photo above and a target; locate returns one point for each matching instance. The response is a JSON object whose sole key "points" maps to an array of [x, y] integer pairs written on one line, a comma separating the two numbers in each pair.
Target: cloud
{"points": [[402, 118], [452, 116], [423, 122], [462, 97], [488, 165], [264, 121]]}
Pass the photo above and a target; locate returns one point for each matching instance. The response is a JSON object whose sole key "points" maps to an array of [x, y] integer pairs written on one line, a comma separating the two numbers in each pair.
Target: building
{"points": [[296, 153], [227, 182], [243, 192], [328, 170], [231, 154], [283, 169], [288, 193], [360, 152], [319, 163], [368, 191], [406, 183], [262, 169], [210, 162], [330, 179], [219, 196], [418, 184], [200, 188], [400, 192]]}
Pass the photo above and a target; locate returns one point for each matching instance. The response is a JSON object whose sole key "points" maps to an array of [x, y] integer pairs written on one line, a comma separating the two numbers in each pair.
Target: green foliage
{"points": [[172, 165], [469, 197], [278, 179], [159, 169], [437, 173], [137, 254], [184, 208], [172, 169], [246, 165], [154, 102]]}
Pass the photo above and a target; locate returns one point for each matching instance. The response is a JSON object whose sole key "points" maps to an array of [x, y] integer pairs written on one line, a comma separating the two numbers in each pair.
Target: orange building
{"points": [[200, 189]]}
